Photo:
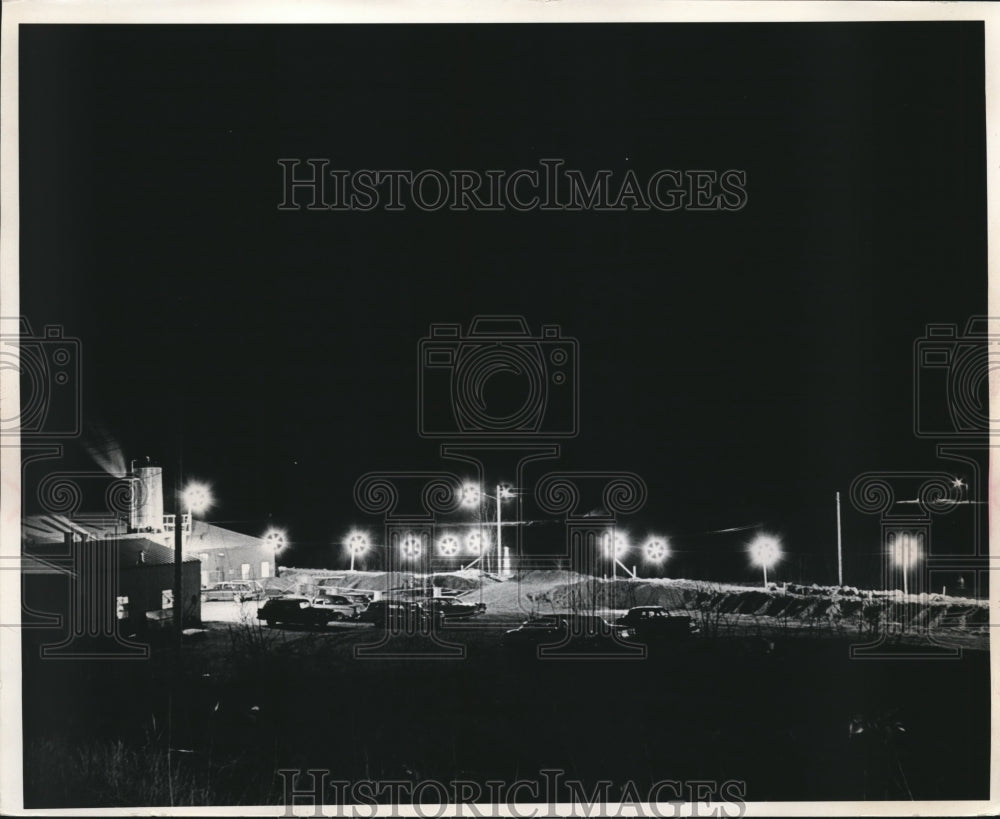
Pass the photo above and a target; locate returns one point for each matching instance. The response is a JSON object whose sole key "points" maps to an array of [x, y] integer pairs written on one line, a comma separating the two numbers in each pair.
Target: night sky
{"points": [[747, 364]]}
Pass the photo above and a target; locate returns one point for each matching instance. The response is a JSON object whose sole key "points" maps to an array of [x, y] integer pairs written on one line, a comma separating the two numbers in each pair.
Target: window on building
{"points": [[265, 569], [204, 579], [245, 571], [121, 607], [167, 599]]}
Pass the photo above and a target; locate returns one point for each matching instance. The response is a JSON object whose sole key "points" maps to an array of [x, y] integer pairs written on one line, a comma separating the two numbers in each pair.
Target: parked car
{"points": [[238, 590], [357, 598], [294, 611], [583, 632], [451, 608], [656, 623], [340, 606], [401, 614]]}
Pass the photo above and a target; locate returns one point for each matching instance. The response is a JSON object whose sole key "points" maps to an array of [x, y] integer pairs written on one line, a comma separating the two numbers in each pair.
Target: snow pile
{"points": [[553, 590]]}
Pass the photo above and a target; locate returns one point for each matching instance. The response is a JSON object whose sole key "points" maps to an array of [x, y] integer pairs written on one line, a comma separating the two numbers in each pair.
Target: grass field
{"points": [[244, 701]]}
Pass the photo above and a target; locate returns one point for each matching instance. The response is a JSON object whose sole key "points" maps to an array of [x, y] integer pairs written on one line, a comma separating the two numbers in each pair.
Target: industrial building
{"points": [[130, 572], [97, 564], [223, 553]]}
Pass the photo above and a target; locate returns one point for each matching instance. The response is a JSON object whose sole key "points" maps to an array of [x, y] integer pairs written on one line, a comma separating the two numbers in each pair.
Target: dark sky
{"points": [[746, 364]]}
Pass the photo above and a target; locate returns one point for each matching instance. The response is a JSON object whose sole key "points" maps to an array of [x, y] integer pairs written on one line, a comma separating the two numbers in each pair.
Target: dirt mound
{"points": [[458, 581], [552, 591]]}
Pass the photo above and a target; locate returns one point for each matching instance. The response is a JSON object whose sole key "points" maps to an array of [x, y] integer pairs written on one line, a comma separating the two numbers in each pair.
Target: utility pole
{"points": [[840, 553], [178, 561], [614, 555], [499, 539]]}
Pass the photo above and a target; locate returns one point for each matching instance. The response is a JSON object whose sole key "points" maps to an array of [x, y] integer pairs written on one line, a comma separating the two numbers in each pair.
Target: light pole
{"points": [[616, 546], [196, 497], [765, 551], [504, 492], [357, 543], [278, 540], [471, 496]]}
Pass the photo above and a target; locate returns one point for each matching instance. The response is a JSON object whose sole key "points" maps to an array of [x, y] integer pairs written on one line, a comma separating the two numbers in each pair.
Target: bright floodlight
{"points": [[411, 547], [621, 544], [448, 545], [505, 492], [656, 549], [765, 551], [277, 539], [197, 498], [475, 542], [357, 542], [905, 551], [471, 495]]}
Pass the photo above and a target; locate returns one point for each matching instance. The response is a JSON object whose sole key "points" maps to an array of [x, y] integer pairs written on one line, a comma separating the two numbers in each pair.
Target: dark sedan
{"points": [[656, 623], [451, 608], [295, 611], [582, 632], [400, 615]]}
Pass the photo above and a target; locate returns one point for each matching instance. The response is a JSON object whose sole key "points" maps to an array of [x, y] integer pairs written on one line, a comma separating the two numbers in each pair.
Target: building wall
{"points": [[144, 588], [141, 586], [228, 555], [240, 563]]}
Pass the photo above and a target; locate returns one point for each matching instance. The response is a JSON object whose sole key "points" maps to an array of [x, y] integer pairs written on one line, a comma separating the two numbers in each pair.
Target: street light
{"points": [[277, 539], [471, 496], [476, 543], [765, 551], [357, 543], [621, 545], [656, 549], [616, 546], [448, 545], [197, 498], [905, 554], [411, 547]]}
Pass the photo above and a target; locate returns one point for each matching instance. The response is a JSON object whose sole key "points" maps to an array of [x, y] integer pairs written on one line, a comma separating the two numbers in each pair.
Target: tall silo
{"points": [[146, 511]]}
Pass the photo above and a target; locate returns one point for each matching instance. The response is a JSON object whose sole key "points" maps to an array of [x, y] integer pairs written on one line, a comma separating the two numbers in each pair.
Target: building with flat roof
{"points": [[77, 569]]}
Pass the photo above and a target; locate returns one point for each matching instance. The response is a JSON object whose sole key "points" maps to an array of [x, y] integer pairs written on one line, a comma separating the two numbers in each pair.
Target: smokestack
{"points": [[146, 510]]}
